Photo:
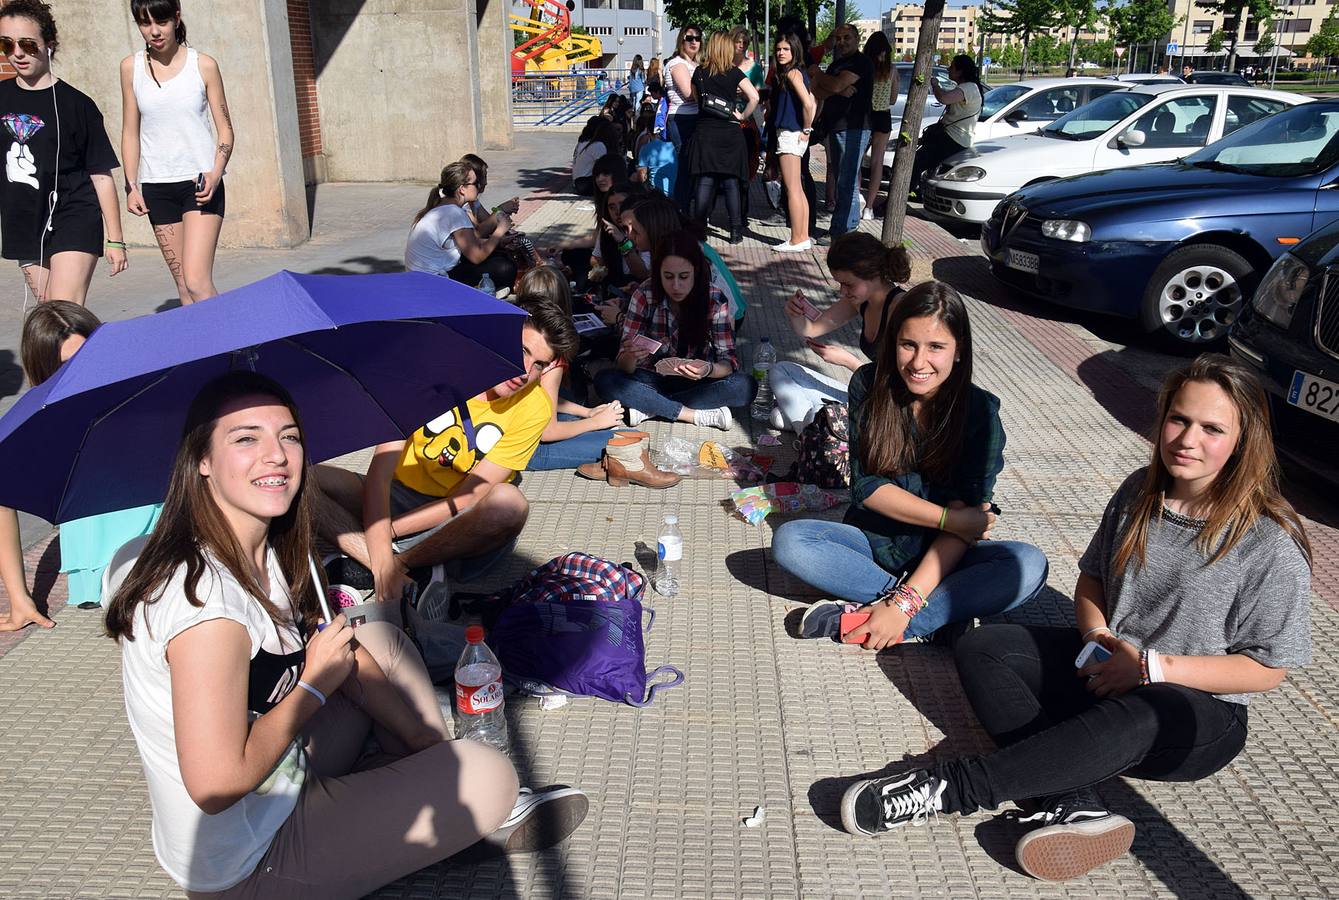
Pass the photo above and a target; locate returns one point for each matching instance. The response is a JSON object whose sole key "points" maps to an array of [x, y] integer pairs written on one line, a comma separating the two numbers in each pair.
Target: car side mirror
{"points": [[1132, 138], [1017, 115]]}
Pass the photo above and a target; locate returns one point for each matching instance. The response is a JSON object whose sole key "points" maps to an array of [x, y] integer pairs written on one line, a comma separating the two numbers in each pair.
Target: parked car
{"points": [[1289, 333], [1087, 66], [1022, 107], [1144, 124], [1180, 245], [1146, 78], [933, 108], [1211, 77]]}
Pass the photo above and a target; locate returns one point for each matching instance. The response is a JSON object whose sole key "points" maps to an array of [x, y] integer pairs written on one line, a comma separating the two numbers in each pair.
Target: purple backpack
{"points": [[576, 623]]}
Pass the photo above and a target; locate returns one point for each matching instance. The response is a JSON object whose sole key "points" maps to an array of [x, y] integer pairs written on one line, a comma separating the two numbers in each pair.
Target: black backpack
{"points": [[825, 448]]}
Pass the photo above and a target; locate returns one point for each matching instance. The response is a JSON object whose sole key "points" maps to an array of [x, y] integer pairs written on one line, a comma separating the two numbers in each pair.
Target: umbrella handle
{"points": [[320, 594]]}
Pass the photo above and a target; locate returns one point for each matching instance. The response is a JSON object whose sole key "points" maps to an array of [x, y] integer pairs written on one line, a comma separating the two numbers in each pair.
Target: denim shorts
{"points": [[405, 499]]}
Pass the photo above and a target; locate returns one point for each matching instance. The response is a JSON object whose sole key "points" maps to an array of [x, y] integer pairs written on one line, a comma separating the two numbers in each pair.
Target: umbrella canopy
{"points": [[367, 358]]}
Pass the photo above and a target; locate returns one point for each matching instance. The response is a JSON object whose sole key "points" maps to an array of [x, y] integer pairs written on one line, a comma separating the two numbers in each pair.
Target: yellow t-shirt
{"points": [[506, 432]]}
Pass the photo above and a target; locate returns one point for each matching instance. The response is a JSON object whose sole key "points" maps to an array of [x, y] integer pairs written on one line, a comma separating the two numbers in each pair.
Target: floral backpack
{"points": [[825, 448]]}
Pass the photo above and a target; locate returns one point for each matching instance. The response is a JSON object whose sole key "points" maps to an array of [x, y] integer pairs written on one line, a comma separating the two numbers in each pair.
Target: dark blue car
{"points": [[1179, 246]]}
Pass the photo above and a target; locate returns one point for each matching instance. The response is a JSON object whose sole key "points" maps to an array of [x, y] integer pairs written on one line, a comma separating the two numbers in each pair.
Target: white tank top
{"points": [[175, 139]]}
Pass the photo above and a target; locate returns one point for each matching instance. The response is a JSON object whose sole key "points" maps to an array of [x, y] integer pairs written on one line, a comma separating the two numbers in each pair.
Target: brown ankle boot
{"points": [[595, 471], [626, 460]]}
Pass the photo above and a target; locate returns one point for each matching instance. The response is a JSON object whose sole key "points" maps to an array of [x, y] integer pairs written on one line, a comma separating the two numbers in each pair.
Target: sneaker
{"points": [[539, 819], [502, 293], [720, 417], [1077, 834], [788, 247], [584, 206], [823, 619], [867, 215], [636, 417], [874, 807]]}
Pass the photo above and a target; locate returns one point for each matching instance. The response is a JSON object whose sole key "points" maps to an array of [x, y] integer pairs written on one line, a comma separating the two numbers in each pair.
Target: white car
{"points": [[1021, 107], [1145, 124]]}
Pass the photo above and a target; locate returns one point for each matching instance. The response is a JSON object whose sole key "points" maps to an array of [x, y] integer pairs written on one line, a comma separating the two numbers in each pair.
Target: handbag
{"points": [[715, 107]]}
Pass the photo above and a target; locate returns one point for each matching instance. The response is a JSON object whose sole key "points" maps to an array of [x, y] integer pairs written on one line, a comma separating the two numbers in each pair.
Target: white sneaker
{"points": [[584, 206], [868, 214], [720, 417], [793, 248], [539, 819], [636, 417]]}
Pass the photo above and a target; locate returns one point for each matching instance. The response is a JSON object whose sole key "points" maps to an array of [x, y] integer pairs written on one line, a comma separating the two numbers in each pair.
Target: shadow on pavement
{"points": [[553, 178], [361, 265], [45, 577]]}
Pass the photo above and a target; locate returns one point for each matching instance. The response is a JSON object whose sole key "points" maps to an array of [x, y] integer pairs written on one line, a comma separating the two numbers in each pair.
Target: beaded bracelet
{"points": [[1143, 667], [907, 599]]}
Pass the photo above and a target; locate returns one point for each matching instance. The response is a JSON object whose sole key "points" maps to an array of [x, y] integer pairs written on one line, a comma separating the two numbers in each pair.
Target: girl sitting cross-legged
{"points": [[926, 447], [1195, 583]]}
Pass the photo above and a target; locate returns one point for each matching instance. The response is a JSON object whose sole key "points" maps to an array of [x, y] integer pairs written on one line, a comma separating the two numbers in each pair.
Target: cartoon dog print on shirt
{"points": [[456, 444]]}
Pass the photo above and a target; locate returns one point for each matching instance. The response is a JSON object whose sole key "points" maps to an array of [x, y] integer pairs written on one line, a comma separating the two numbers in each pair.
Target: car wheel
{"points": [[1196, 294]]}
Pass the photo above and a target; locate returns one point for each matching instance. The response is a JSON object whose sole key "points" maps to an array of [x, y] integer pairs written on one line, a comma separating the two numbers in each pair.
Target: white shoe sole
{"points": [[794, 248], [1062, 852]]}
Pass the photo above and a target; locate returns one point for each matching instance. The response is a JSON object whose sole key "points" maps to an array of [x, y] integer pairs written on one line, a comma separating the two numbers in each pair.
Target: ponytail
{"points": [[453, 178]]}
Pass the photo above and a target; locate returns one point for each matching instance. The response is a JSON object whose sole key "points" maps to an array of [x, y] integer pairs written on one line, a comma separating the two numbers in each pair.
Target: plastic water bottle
{"points": [[486, 285], [479, 700], [669, 550], [762, 372]]}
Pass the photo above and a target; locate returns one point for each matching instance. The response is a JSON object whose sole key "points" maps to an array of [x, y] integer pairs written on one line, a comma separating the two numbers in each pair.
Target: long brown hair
{"points": [[880, 52], [695, 310], [888, 442], [1247, 487], [454, 177], [46, 328], [192, 525]]}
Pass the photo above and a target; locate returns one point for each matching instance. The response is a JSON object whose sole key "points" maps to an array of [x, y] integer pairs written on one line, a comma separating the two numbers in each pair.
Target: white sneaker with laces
{"points": [[720, 417], [636, 417]]}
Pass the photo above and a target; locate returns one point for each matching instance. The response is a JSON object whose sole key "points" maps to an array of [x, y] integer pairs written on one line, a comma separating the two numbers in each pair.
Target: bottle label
{"points": [[670, 549], [472, 698]]}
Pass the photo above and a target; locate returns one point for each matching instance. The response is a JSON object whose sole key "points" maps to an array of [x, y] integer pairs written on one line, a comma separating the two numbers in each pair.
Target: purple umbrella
{"points": [[367, 358]]}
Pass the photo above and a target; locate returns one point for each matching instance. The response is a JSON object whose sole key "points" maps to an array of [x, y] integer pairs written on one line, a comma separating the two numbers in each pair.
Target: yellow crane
{"points": [[551, 47]]}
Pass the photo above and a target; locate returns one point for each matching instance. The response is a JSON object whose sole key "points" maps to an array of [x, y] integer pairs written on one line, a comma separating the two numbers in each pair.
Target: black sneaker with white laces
{"points": [[1076, 835], [876, 806]]}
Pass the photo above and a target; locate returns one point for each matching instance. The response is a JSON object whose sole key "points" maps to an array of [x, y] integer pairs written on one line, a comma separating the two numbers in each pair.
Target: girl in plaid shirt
{"points": [[677, 360]]}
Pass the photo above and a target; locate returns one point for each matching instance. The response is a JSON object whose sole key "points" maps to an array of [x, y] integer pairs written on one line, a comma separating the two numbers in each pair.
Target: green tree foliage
{"points": [[1232, 11], [1022, 18], [1140, 22], [827, 19], [722, 15], [1325, 42], [1078, 15], [1216, 42]]}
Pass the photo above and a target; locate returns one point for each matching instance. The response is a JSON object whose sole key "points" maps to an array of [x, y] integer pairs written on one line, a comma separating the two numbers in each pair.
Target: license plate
{"points": [[931, 193], [1024, 261], [1315, 395]]}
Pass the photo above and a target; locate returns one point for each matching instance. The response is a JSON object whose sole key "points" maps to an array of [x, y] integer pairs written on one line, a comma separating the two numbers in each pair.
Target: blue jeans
{"points": [[846, 150], [570, 452], [681, 128], [991, 578], [665, 396]]}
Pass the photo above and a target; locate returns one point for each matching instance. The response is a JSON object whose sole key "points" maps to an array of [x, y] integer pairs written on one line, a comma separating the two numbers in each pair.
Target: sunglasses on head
{"points": [[27, 45]]}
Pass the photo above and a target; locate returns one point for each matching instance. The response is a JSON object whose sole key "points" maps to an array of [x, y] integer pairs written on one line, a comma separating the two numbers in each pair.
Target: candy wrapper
{"points": [[756, 503]]}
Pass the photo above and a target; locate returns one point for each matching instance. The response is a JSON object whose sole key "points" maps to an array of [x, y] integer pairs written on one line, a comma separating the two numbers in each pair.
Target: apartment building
{"points": [[957, 29], [1294, 24], [626, 28]]}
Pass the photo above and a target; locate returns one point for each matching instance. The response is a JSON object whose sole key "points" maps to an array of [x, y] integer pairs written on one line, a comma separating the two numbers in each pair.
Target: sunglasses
{"points": [[694, 38], [27, 45]]}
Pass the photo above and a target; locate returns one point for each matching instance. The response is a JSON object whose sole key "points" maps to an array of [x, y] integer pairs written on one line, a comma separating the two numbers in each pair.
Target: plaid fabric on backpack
{"points": [[825, 449], [576, 623]]}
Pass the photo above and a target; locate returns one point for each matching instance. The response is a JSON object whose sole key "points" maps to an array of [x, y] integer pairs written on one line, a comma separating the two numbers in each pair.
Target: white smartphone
{"points": [[1091, 652]]}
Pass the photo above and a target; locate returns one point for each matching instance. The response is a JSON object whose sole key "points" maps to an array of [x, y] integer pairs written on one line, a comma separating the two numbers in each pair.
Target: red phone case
{"points": [[851, 621]]}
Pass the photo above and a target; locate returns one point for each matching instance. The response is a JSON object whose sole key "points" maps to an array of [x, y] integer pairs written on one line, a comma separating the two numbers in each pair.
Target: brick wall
{"points": [[6, 70], [304, 76]]}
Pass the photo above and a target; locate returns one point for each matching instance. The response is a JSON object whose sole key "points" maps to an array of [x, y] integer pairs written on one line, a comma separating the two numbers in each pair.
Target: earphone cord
{"points": [[51, 198]]}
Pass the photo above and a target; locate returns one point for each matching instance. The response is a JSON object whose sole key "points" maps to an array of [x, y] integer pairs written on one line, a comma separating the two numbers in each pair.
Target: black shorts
{"points": [[169, 202], [881, 121], [75, 226]]}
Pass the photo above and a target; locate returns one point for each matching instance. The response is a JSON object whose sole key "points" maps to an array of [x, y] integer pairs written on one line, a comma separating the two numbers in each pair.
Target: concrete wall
{"points": [[394, 78], [267, 203], [494, 42]]}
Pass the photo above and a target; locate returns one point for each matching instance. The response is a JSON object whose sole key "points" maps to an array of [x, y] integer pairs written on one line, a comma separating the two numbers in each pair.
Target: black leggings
{"points": [[936, 146], [498, 266], [704, 199], [1055, 736]]}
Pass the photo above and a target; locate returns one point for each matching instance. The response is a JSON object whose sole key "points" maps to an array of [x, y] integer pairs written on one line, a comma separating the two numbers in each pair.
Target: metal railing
{"points": [[556, 99]]}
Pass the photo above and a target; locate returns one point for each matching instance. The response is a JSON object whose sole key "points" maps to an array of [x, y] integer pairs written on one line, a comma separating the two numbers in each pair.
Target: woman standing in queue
{"points": [[681, 123], [57, 197], [170, 94], [719, 157]]}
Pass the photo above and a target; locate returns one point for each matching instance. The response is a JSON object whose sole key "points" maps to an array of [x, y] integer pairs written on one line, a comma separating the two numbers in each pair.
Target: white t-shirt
{"points": [[583, 160], [201, 852], [431, 247], [960, 118], [677, 102]]}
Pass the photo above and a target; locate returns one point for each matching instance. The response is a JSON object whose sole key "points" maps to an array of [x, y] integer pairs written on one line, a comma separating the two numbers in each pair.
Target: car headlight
{"points": [[965, 173], [1067, 230], [1279, 291]]}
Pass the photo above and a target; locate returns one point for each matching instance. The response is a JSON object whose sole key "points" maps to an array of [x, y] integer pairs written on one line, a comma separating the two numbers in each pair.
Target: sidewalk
{"points": [[762, 719]]}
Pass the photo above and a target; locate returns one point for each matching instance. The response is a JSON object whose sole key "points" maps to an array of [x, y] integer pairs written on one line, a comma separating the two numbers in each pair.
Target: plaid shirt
{"points": [[658, 322], [897, 546]]}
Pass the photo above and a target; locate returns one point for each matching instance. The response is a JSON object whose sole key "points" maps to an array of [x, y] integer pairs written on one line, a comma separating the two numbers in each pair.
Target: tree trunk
{"points": [[1026, 40], [1232, 54], [1073, 45], [899, 182]]}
